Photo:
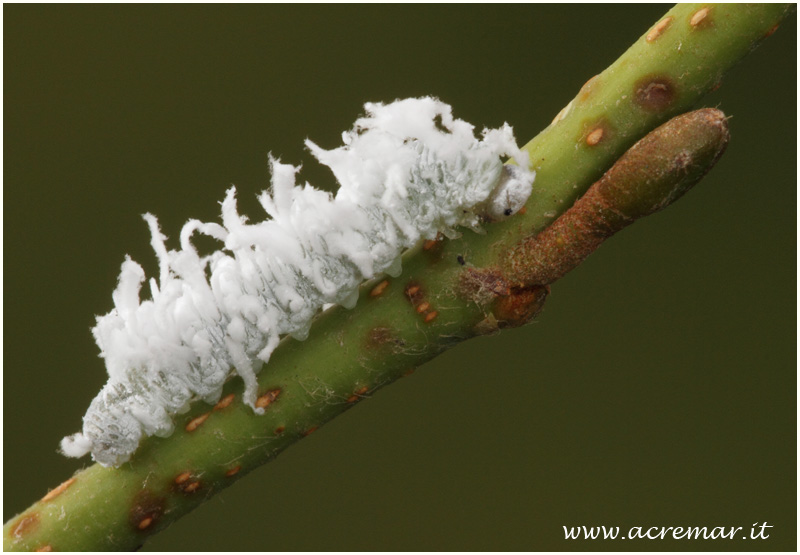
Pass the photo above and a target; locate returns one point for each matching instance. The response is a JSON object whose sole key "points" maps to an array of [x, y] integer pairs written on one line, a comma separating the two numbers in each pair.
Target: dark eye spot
{"points": [[508, 211], [460, 259]]}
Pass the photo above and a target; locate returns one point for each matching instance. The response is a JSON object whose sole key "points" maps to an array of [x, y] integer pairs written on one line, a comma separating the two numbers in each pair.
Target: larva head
{"points": [[510, 194]]}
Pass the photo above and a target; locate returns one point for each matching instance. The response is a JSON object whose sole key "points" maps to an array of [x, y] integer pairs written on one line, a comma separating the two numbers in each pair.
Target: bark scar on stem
{"points": [[145, 510], [25, 525], [654, 93], [507, 305]]}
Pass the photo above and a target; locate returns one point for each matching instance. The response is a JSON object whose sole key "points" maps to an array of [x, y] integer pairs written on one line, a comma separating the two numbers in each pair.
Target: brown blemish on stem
{"points": [[378, 289], [654, 93], [659, 29], [145, 510], [562, 114], [195, 423], [225, 402], [596, 132], [25, 525], [267, 399], [191, 487], [233, 471], [52, 494], [279, 430], [483, 284], [594, 136], [432, 248], [185, 483], [772, 30], [415, 294], [379, 336], [506, 305], [357, 394], [520, 306], [310, 431], [700, 18], [46, 547], [588, 88], [412, 291]]}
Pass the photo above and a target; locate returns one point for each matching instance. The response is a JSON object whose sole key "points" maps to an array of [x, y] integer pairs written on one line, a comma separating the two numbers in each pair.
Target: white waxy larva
{"points": [[407, 171]]}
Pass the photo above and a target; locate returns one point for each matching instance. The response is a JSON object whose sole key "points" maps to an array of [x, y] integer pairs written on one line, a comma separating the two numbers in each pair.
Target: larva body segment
{"points": [[408, 171]]}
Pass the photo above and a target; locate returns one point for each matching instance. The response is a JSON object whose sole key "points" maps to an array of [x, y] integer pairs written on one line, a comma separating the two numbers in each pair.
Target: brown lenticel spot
{"points": [[52, 494], [233, 471], [190, 488], [25, 525], [266, 400], [195, 423], [225, 402], [358, 394], [659, 29], [562, 114], [587, 88], [594, 136], [654, 94], [699, 17], [772, 30], [146, 508], [378, 289]]}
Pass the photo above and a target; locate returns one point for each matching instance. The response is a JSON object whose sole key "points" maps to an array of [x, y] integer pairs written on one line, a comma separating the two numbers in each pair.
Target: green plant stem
{"points": [[400, 323], [651, 82]]}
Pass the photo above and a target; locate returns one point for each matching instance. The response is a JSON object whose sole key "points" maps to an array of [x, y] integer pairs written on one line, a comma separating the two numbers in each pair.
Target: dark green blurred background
{"points": [[658, 388]]}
